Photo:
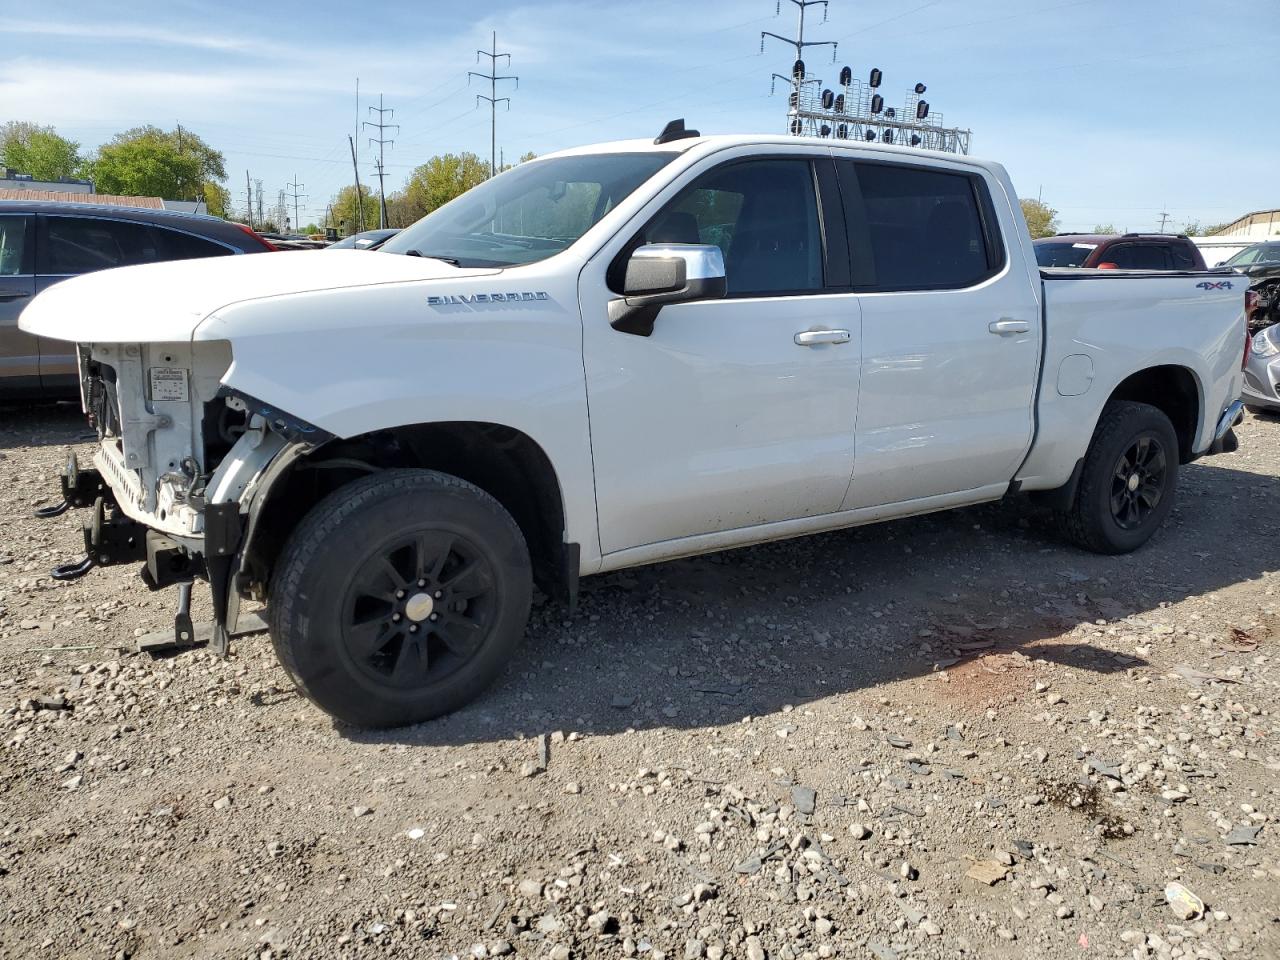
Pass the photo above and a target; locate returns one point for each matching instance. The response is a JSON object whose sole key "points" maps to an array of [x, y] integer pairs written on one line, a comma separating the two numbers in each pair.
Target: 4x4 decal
{"points": [[1215, 285]]}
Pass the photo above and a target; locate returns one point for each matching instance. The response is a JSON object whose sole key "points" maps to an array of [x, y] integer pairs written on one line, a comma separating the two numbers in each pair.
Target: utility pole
{"points": [[493, 99], [797, 78], [248, 198], [359, 195], [381, 126], [180, 196], [257, 192], [1164, 218], [294, 188]]}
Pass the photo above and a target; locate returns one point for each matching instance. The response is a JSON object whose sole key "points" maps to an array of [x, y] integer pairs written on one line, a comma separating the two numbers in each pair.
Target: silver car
{"points": [[1262, 374]]}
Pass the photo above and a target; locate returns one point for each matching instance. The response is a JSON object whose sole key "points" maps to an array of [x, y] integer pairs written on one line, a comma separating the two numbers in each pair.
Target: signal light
{"points": [[920, 88], [922, 109], [875, 78], [877, 103]]}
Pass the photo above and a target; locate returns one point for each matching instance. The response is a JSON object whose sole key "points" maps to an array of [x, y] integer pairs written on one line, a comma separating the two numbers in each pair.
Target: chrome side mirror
{"points": [[664, 273]]}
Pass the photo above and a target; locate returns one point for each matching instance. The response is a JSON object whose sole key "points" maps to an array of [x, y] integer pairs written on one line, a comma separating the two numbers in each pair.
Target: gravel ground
{"points": [[950, 736]]}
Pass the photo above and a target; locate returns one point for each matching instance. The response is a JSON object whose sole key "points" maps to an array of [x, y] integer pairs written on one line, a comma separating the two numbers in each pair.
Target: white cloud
{"points": [[138, 33]]}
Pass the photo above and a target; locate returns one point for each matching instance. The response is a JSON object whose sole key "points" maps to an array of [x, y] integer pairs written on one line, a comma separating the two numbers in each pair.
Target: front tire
{"points": [[400, 598], [1128, 481]]}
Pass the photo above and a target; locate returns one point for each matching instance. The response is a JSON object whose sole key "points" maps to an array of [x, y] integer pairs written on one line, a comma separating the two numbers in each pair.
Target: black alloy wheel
{"points": [[1137, 484], [419, 608]]}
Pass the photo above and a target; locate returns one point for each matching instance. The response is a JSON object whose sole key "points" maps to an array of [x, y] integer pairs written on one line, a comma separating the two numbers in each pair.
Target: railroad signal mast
{"points": [[855, 110]]}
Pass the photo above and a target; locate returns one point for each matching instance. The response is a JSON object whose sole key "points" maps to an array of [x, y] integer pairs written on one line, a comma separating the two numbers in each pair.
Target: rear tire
{"points": [[400, 598], [1128, 481]]}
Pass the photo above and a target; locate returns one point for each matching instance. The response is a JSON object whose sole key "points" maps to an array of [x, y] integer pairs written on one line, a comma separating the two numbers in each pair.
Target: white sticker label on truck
{"points": [[169, 383]]}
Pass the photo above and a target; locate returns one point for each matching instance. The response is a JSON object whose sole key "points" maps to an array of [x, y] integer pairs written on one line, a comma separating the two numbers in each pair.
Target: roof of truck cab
{"points": [[723, 141]]}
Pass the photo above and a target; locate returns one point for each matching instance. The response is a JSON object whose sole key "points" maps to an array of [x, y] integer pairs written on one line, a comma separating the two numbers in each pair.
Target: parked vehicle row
{"points": [[1260, 263], [1129, 251], [612, 356], [43, 243]]}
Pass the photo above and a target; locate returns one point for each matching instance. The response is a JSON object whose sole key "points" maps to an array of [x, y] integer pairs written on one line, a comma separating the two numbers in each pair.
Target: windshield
{"points": [[530, 212], [1063, 254], [1258, 253]]}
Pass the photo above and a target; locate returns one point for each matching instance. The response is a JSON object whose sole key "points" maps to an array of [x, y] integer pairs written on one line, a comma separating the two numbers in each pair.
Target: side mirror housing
{"points": [[665, 273]]}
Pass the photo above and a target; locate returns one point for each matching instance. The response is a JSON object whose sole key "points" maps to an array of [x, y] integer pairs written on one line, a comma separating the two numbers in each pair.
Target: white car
{"points": [[612, 356]]}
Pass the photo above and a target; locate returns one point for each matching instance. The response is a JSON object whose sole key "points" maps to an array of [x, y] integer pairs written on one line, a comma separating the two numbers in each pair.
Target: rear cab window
{"points": [[1138, 256]]}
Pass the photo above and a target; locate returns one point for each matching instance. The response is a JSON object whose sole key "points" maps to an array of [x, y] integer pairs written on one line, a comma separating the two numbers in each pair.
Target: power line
{"points": [[382, 126], [493, 98]]}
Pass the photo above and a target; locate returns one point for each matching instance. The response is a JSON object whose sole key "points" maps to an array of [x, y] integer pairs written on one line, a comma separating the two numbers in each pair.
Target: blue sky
{"points": [[1114, 110]]}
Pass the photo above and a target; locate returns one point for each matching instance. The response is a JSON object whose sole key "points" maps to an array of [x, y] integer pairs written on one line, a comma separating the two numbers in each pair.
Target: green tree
{"points": [[1042, 219], [38, 150], [1104, 228], [217, 199], [439, 180], [1195, 229], [346, 210], [150, 162]]}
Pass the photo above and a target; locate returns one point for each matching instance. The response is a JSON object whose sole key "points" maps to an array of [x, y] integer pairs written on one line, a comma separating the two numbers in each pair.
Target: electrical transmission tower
{"points": [[381, 126], [257, 195], [857, 111], [493, 99], [293, 187]]}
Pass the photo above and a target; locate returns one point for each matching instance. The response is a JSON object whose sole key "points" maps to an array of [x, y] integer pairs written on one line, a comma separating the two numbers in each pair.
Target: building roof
{"points": [[99, 199], [1271, 215]]}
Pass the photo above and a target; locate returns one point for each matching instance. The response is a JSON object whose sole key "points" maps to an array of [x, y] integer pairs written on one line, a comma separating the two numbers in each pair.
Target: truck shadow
{"points": [[978, 594]]}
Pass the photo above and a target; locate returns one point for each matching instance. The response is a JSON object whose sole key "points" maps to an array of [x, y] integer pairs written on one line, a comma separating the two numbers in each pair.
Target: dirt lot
{"points": [[944, 737]]}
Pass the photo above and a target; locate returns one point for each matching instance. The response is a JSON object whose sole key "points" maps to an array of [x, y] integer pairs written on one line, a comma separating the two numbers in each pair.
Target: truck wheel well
{"points": [[1172, 389], [504, 462]]}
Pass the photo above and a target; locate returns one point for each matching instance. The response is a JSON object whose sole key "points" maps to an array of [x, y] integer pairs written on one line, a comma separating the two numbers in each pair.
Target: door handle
{"points": [[813, 338], [1004, 326], [5, 297]]}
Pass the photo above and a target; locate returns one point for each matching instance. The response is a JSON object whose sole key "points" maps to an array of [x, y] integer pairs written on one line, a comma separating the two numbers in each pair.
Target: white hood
{"points": [[165, 302]]}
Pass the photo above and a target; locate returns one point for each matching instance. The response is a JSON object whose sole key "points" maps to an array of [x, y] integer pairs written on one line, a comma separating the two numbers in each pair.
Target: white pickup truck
{"points": [[612, 356]]}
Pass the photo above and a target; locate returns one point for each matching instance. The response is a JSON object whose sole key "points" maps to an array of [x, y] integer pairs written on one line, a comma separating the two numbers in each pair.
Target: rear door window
{"points": [[926, 229], [74, 245]]}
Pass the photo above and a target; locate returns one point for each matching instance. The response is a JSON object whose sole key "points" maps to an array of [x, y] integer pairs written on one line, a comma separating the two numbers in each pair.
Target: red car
{"points": [[1113, 251]]}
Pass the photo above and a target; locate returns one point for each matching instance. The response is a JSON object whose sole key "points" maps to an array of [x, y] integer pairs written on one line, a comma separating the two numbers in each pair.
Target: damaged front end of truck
{"points": [[179, 474]]}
